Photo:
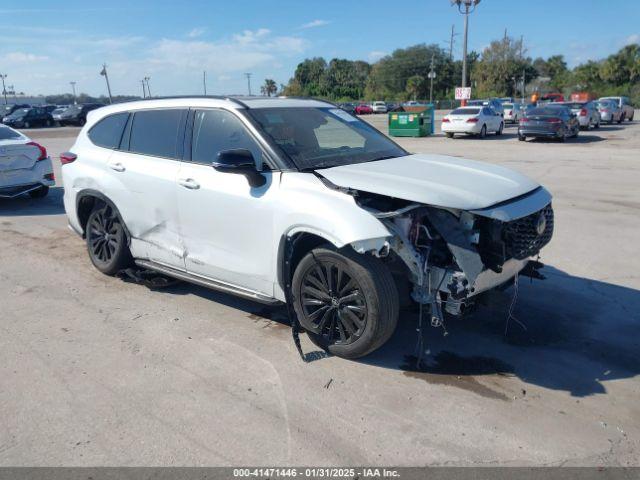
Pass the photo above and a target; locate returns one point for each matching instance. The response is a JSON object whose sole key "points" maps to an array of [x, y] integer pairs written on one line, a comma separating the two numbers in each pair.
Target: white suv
{"points": [[297, 201]]}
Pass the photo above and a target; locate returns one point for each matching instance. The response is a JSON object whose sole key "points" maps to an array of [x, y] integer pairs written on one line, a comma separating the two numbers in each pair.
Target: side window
{"points": [[215, 131], [155, 132], [108, 131]]}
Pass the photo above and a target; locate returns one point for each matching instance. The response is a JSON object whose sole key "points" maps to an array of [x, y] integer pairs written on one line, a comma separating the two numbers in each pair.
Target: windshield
{"points": [[323, 137], [20, 113]]}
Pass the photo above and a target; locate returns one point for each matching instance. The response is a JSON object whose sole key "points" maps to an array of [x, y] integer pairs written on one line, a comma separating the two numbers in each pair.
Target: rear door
{"points": [[142, 175]]}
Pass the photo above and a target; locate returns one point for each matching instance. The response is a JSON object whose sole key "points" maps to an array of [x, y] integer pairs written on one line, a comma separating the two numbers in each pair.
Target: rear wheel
{"points": [[522, 138], [499, 131], [631, 117], [347, 302], [621, 119], [106, 240], [27, 125], [597, 124], [82, 122], [39, 192], [449, 135]]}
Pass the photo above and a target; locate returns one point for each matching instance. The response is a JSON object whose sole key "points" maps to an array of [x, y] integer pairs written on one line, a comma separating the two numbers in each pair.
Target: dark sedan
{"points": [[29, 117], [549, 121], [77, 114]]}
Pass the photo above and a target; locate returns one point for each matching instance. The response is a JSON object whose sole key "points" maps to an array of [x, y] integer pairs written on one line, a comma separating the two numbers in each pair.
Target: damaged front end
{"points": [[452, 255]]}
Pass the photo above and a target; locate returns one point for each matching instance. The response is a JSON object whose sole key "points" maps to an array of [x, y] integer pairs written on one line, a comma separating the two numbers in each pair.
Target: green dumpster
{"points": [[413, 121]]}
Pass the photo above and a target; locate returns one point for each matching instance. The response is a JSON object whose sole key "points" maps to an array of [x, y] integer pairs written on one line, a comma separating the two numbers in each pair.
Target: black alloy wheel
{"points": [[333, 304], [106, 240]]}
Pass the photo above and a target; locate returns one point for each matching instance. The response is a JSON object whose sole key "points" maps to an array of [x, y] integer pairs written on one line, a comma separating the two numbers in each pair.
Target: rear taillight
{"points": [[605, 110], [554, 120], [50, 176], [472, 120], [67, 157], [43, 151], [524, 120], [445, 120], [583, 112]]}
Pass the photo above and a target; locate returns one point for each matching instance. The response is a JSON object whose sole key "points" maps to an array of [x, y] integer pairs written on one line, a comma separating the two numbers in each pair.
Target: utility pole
{"points": [[432, 75], [4, 89], [146, 79], [103, 72], [73, 88], [469, 7], [453, 34], [524, 70], [144, 91], [204, 81], [248, 75]]}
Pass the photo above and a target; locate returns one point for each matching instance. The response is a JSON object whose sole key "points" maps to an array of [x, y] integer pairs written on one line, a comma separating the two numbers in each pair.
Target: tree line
{"points": [[497, 71]]}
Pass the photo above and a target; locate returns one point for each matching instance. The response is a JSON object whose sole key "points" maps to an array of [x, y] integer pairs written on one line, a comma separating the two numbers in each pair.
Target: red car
{"points": [[364, 109]]}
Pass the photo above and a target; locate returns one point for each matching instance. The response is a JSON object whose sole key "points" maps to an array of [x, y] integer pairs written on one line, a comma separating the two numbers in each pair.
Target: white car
{"points": [[379, 107], [476, 120], [296, 201], [25, 166], [624, 103], [512, 112]]}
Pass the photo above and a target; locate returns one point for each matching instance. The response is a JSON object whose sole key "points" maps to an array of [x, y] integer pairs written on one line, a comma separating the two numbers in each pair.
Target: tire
{"points": [[483, 131], [81, 122], [499, 131], [108, 253], [366, 315], [27, 125], [449, 135], [48, 123], [631, 117], [522, 138], [40, 192], [597, 125], [621, 119]]}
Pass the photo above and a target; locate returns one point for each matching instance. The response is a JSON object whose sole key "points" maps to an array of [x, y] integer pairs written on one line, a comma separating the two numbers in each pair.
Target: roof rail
{"points": [[174, 97]]}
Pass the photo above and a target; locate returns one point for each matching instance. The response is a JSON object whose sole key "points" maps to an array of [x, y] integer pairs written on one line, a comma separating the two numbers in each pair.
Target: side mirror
{"points": [[241, 162]]}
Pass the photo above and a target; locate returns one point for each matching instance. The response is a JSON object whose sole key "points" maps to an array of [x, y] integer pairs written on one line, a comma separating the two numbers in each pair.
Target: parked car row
{"points": [[555, 119], [27, 116], [368, 108]]}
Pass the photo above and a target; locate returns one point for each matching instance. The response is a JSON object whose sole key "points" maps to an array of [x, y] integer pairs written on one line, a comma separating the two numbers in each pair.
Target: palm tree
{"points": [[414, 85], [269, 87]]}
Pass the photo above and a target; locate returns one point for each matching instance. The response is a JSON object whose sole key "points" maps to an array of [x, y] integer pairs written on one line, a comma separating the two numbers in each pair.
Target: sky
{"points": [[44, 45]]}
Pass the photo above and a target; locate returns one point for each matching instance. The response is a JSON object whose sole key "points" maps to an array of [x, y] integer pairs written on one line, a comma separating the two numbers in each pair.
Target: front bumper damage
{"points": [[452, 256]]}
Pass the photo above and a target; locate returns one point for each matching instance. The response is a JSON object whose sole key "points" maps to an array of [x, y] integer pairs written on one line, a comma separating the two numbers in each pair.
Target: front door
{"points": [[227, 225]]}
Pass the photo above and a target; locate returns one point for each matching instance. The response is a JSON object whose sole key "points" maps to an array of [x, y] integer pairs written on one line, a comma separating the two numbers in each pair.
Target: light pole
{"points": [[4, 89], [73, 88], [146, 79], [248, 75], [465, 7], [144, 91]]}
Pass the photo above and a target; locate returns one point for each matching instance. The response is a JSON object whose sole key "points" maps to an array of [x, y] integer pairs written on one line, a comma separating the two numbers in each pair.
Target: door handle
{"points": [[118, 167], [189, 183]]}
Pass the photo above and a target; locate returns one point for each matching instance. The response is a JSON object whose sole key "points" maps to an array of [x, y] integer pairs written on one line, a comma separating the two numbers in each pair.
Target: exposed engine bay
{"points": [[452, 255]]}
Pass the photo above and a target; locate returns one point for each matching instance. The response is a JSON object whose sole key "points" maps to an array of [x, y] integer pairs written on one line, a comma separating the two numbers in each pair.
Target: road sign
{"points": [[431, 75], [463, 93]]}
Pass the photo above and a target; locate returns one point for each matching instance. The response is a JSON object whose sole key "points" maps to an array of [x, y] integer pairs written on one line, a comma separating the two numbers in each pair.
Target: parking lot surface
{"points": [[96, 371]]}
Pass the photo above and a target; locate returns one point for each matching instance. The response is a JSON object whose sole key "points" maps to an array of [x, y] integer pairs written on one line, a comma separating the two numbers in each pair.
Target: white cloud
{"points": [[376, 55], [314, 24], [197, 32], [21, 57], [631, 39]]}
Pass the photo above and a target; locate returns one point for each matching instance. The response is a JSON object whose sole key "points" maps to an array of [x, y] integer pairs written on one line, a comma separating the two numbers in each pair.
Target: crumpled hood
{"points": [[437, 180]]}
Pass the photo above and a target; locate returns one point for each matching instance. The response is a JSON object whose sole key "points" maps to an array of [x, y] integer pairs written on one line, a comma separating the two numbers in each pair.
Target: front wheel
{"points": [[499, 131], [522, 138], [106, 240], [483, 131], [346, 301]]}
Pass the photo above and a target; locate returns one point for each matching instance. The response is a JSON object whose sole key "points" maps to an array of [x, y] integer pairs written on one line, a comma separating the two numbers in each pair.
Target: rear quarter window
{"points": [[107, 132]]}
